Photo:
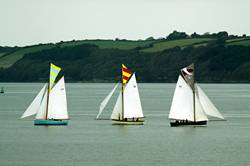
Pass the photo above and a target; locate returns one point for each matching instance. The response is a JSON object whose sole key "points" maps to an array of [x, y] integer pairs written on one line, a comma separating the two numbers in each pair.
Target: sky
{"points": [[28, 22]]}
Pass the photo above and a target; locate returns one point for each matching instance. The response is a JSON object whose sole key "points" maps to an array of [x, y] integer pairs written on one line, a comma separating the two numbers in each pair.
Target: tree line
{"points": [[215, 62]]}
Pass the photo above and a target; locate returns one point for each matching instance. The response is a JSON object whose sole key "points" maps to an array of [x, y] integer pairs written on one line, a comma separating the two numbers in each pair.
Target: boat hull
{"points": [[123, 122], [50, 122], [187, 123]]}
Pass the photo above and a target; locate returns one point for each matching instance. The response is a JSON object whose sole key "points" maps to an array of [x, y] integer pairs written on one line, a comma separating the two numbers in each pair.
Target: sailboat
{"points": [[190, 105], [127, 109], [2, 90], [50, 105]]}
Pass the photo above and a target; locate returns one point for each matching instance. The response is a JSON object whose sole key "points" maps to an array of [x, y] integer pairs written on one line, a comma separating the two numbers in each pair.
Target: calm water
{"points": [[90, 142]]}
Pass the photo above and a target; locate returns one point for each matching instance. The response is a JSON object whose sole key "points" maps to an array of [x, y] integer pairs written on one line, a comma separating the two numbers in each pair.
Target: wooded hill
{"points": [[218, 57]]}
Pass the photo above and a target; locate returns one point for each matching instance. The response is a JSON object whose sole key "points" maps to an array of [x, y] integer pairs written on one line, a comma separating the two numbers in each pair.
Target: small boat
{"points": [[50, 105], [128, 109], [190, 105], [2, 90]]}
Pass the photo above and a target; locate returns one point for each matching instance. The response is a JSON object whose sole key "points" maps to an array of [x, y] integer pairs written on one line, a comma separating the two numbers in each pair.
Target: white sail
{"points": [[57, 108], [117, 111], [199, 111], [182, 107], [105, 101], [207, 105], [35, 105], [131, 100], [41, 114], [182, 103]]}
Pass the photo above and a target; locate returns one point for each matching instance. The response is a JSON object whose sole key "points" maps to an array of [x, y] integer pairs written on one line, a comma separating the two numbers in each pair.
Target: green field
{"points": [[234, 40], [2, 53], [170, 44], [120, 44], [7, 60], [244, 42]]}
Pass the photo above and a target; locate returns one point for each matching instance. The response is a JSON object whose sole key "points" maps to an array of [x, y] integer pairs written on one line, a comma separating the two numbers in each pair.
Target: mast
{"points": [[126, 74], [193, 89], [47, 105], [122, 99], [194, 104]]}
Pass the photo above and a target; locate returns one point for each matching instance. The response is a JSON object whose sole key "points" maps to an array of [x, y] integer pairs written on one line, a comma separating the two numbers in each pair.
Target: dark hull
{"points": [[187, 123]]}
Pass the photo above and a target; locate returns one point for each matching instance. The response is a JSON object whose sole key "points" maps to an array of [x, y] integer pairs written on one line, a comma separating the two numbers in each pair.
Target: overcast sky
{"points": [[27, 22]]}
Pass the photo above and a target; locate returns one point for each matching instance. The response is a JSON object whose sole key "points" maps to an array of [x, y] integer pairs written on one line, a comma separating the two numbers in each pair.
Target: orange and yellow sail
{"points": [[126, 74]]}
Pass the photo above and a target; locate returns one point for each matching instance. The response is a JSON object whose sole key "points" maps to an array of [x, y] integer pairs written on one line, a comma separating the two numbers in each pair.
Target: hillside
{"points": [[163, 45], [12, 55], [216, 62], [218, 57]]}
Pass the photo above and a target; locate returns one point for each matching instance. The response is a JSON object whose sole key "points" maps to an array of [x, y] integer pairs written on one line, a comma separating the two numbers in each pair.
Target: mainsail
{"points": [[57, 108], [105, 101], [35, 105], [132, 102], [182, 107]]}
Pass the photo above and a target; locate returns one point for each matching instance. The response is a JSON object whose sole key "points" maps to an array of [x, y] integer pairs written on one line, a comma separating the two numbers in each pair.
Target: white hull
{"points": [[123, 122]]}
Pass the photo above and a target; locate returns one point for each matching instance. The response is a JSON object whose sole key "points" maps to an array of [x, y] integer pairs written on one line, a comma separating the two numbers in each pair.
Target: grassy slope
{"points": [[8, 60], [1, 54], [110, 43], [170, 44], [243, 42]]}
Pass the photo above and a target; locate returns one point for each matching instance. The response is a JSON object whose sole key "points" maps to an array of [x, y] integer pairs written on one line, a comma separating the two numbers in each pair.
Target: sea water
{"points": [[90, 142]]}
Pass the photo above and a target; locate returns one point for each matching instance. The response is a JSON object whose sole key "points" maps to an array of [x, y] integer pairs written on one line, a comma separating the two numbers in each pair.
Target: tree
{"points": [[222, 34], [177, 35], [150, 38], [195, 35]]}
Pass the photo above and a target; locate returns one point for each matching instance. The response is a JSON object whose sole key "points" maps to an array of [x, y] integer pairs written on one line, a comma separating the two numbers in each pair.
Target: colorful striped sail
{"points": [[126, 74], [54, 70]]}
